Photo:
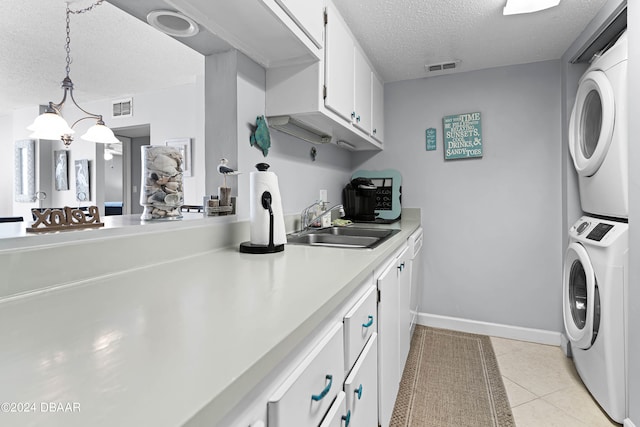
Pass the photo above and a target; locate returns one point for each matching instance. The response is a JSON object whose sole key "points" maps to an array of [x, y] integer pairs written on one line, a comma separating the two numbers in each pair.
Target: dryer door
{"points": [[591, 123], [580, 299]]}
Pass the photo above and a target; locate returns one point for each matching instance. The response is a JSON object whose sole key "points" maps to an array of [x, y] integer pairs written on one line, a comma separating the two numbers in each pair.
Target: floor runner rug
{"points": [[451, 379]]}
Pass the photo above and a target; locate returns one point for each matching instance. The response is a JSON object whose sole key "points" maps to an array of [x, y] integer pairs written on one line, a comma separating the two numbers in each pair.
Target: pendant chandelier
{"points": [[51, 124]]}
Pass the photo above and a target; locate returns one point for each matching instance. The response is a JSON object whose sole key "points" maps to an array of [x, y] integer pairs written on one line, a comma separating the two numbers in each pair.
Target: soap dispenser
{"points": [[267, 231]]}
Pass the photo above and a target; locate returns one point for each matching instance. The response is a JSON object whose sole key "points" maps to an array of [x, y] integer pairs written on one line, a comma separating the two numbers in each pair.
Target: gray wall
{"points": [[136, 173], [493, 226], [113, 179]]}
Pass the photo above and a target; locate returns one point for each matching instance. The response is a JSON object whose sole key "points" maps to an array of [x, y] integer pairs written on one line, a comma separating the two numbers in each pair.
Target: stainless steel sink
{"points": [[343, 237]]}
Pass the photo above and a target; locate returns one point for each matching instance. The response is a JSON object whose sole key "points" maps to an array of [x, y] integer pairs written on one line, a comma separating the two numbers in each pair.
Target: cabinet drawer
{"points": [[361, 387], [306, 395], [359, 324], [337, 415]]}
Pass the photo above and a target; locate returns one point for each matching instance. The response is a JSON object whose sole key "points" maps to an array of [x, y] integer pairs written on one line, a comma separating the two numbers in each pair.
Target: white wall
{"points": [[6, 166], [492, 225], [20, 119], [300, 178]]}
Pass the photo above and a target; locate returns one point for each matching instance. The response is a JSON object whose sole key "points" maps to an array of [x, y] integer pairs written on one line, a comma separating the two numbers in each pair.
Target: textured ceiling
{"points": [[401, 36], [115, 54]]}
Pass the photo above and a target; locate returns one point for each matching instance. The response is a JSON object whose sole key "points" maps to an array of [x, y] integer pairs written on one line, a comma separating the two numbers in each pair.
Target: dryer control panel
{"points": [[599, 231]]}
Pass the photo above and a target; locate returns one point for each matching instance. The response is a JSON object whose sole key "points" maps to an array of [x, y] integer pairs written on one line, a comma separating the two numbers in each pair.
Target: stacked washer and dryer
{"points": [[596, 261]]}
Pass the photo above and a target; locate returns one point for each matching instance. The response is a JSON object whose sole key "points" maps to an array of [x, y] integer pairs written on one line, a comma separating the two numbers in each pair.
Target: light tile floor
{"points": [[544, 388]]}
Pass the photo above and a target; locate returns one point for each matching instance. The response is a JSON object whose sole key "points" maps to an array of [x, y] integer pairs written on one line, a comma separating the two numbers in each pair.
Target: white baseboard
{"points": [[539, 336], [628, 423]]}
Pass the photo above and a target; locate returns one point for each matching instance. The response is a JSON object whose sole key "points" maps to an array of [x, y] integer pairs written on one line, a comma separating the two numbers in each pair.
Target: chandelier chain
{"points": [[68, 40]]}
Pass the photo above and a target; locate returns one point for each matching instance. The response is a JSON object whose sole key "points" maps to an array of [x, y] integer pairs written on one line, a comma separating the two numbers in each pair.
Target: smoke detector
{"points": [[442, 67]]}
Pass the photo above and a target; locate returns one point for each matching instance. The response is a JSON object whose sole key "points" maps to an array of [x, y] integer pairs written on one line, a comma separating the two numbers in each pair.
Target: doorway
{"points": [[118, 171]]}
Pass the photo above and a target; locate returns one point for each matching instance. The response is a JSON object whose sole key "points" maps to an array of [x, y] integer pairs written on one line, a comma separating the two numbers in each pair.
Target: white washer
{"points": [[598, 140], [594, 277]]}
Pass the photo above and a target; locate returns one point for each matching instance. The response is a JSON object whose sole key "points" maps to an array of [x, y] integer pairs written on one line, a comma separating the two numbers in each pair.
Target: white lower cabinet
{"points": [[359, 324], [338, 416], [393, 331], [306, 395], [361, 387]]}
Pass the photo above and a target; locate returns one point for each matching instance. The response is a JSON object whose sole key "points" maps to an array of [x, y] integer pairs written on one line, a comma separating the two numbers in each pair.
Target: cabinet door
{"points": [[359, 324], [308, 15], [377, 108], [404, 308], [338, 416], [308, 392], [361, 387], [388, 342], [338, 65], [362, 97]]}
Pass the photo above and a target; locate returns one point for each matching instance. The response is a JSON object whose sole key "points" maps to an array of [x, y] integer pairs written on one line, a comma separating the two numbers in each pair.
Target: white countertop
{"points": [[171, 343]]}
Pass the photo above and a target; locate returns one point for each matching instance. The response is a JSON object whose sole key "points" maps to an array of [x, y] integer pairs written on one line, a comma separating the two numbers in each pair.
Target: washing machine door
{"points": [[591, 123], [581, 302]]}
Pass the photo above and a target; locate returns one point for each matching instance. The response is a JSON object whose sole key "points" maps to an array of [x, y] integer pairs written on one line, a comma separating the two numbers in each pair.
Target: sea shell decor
{"points": [[162, 193]]}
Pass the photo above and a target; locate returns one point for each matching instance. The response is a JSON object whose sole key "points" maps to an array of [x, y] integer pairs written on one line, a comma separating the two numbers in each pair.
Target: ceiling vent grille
{"points": [[122, 108], [442, 66]]}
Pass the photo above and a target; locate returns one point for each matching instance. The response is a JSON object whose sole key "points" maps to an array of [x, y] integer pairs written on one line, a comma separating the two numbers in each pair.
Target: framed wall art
{"points": [[184, 145], [25, 170], [83, 193], [431, 139], [462, 135], [60, 162]]}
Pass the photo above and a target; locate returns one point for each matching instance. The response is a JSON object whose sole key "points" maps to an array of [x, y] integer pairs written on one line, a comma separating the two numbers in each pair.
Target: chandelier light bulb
{"points": [[100, 133], [49, 126]]}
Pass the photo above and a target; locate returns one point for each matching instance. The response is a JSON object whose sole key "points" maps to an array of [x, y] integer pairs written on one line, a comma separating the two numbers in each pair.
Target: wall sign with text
{"points": [[431, 139], [462, 135]]}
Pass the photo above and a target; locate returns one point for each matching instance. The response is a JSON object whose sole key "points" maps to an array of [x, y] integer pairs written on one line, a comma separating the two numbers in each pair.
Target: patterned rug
{"points": [[451, 379]]}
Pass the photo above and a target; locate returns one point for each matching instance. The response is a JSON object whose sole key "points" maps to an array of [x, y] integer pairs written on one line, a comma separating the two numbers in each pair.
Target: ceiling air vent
{"points": [[122, 108], [442, 66]]}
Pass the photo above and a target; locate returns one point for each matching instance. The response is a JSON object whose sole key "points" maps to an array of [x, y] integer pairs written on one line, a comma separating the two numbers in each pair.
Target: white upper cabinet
{"points": [[377, 108], [308, 15], [362, 93], [347, 74], [329, 100], [272, 33], [339, 66]]}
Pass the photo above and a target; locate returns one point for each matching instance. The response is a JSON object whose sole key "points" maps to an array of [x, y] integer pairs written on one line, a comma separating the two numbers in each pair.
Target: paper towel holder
{"points": [[252, 248]]}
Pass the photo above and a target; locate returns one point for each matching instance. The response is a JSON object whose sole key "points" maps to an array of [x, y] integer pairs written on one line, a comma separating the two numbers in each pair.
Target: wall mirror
{"points": [[25, 171]]}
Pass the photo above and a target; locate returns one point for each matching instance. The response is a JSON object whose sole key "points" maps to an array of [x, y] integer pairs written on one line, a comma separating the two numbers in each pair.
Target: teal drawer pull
{"points": [[369, 323], [324, 392], [347, 418], [358, 391]]}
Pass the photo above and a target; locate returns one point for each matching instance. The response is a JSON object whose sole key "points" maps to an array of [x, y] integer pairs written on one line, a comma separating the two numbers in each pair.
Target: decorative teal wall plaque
{"points": [[462, 135], [431, 139]]}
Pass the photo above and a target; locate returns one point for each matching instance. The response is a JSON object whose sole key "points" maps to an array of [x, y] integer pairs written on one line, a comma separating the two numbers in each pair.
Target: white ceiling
{"points": [[401, 36], [115, 54]]}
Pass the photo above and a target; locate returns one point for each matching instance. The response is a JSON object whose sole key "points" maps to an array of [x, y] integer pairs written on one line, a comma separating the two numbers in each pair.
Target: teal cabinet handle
{"points": [[347, 418], [369, 323], [324, 392], [358, 391]]}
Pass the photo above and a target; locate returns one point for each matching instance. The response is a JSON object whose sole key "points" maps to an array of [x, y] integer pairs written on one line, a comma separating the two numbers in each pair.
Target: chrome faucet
{"points": [[305, 223]]}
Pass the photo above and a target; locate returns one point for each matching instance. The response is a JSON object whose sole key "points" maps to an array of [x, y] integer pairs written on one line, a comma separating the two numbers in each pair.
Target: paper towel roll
{"points": [[259, 182]]}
